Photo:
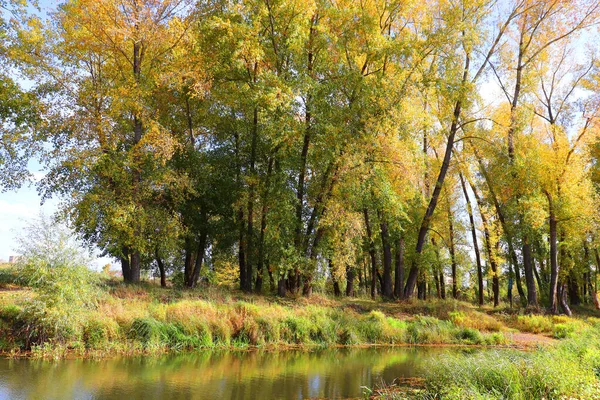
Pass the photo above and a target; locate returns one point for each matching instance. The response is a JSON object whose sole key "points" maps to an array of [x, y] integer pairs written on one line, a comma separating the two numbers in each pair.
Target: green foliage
{"points": [[53, 264]]}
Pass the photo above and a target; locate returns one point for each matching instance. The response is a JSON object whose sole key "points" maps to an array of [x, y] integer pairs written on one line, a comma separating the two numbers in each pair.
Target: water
{"points": [[291, 374]]}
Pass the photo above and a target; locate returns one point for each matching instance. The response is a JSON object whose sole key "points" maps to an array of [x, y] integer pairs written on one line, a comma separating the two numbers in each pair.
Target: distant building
{"points": [[13, 259]]}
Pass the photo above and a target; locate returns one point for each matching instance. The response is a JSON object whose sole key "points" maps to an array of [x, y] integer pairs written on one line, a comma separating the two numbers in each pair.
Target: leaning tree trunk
{"points": [[195, 277], [415, 267], [489, 247]]}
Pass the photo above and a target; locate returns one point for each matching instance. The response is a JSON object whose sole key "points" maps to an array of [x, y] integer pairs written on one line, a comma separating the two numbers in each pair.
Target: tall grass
{"points": [[568, 370], [137, 320]]}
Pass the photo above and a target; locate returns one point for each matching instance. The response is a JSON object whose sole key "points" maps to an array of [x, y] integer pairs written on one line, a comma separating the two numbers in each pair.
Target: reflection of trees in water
{"points": [[234, 375]]}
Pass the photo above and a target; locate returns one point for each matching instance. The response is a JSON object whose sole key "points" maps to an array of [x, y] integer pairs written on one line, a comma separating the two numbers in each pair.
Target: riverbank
{"points": [[568, 370], [146, 319]]}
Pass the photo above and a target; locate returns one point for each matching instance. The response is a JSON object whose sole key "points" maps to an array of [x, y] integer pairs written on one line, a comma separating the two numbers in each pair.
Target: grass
{"points": [[149, 319], [571, 369]]}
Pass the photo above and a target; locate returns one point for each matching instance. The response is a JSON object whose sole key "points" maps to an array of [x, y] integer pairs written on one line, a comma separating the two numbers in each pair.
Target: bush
{"points": [[53, 264]]}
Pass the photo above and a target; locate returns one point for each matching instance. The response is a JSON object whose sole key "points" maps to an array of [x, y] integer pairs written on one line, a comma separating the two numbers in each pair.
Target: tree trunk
{"points": [[350, 281], [422, 288], [593, 290], [452, 255], [399, 276], [573, 289], [125, 265], [193, 282], [538, 279], [372, 254], [386, 289], [242, 249], [135, 257], [553, 257], [281, 286], [436, 280], [161, 269], [251, 190], [263, 227], [529, 278], [336, 285], [135, 267], [474, 237], [563, 299], [414, 270], [489, 247], [513, 261]]}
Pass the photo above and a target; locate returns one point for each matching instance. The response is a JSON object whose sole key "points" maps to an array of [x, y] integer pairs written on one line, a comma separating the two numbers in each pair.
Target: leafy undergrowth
{"points": [[120, 319]]}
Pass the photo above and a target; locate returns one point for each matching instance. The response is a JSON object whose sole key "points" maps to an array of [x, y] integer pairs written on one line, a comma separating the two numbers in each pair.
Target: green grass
{"points": [[145, 318]]}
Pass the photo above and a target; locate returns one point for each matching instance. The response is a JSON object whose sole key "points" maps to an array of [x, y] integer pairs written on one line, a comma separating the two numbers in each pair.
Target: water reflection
{"points": [[293, 374]]}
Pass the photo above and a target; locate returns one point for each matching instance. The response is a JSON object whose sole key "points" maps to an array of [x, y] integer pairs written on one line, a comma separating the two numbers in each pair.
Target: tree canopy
{"points": [[381, 146]]}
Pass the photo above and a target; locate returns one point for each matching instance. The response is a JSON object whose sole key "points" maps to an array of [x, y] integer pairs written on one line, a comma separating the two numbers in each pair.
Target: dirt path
{"points": [[521, 339]]}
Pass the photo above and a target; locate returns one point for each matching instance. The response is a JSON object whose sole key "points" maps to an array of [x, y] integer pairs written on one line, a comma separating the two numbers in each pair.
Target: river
{"points": [[242, 375]]}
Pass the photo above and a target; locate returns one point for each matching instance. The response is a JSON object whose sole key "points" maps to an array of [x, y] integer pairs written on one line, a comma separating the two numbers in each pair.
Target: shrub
{"points": [[534, 324], [394, 330], [494, 338], [247, 334], [221, 332]]}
